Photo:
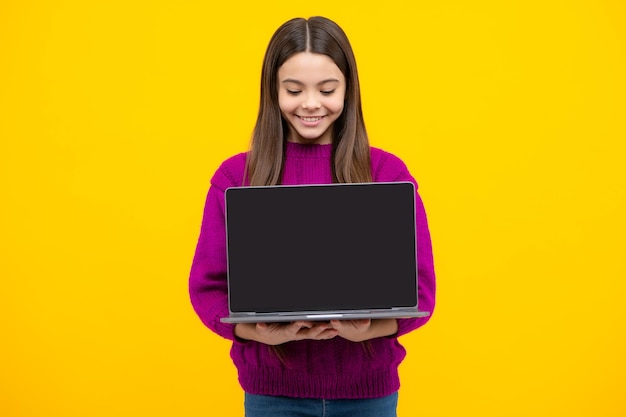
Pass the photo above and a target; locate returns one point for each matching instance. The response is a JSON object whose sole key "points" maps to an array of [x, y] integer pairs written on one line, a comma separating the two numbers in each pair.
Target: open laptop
{"points": [[321, 252]]}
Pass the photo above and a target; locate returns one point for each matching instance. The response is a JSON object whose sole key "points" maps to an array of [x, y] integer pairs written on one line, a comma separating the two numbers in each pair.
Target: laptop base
{"points": [[290, 317]]}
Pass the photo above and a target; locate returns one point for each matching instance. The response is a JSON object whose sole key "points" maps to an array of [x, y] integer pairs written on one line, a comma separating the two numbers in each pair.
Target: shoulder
{"points": [[388, 167], [230, 173]]}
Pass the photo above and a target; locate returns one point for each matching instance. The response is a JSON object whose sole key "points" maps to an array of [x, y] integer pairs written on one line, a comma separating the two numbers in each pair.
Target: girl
{"points": [[309, 129]]}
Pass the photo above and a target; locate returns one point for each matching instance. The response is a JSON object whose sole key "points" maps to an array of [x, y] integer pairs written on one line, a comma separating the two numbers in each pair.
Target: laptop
{"points": [[321, 252]]}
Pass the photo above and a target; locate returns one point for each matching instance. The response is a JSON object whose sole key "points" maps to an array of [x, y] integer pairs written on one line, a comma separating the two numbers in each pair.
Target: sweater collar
{"points": [[308, 151]]}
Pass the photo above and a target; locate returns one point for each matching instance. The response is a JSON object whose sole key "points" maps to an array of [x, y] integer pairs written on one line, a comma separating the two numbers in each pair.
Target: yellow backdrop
{"points": [[115, 114]]}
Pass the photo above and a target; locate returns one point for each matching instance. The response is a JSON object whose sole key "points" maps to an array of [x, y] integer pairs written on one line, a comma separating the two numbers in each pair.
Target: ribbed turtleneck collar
{"points": [[308, 151]]}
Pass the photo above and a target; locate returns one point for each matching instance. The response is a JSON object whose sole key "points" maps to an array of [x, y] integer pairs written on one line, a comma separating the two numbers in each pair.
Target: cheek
{"points": [[286, 103], [336, 106]]}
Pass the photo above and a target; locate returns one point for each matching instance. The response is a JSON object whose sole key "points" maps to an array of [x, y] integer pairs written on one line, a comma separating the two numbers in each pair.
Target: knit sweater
{"points": [[329, 369]]}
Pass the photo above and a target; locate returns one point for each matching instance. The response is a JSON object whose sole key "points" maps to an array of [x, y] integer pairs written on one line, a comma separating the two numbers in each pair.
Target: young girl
{"points": [[309, 130]]}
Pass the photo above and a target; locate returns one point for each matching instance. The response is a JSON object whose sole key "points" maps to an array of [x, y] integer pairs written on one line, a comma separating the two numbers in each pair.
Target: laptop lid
{"points": [[321, 249]]}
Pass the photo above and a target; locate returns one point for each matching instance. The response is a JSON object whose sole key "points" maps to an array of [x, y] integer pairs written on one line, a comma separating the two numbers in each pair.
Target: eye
{"points": [[327, 92], [293, 92]]}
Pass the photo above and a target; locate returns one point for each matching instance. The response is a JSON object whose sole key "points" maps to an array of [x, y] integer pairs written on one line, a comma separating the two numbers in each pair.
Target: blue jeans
{"points": [[268, 406]]}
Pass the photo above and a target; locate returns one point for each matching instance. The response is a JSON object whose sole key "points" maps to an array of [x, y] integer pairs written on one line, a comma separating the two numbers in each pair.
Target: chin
{"points": [[312, 137]]}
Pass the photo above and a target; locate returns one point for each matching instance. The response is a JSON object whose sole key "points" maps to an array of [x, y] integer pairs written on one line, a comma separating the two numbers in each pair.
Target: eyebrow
{"points": [[291, 80]]}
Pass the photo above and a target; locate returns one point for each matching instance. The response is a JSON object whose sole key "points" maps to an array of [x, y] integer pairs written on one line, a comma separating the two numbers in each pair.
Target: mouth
{"points": [[310, 119]]}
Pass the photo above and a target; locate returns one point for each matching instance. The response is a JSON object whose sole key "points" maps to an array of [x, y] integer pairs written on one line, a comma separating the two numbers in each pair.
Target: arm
{"points": [[425, 271], [208, 288], [388, 167]]}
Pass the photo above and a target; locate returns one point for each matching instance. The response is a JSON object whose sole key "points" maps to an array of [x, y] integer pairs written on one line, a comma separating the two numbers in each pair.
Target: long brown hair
{"points": [[350, 160]]}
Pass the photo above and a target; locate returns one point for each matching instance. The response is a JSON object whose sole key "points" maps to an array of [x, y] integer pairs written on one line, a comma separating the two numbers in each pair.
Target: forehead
{"points": [[309, 67]]}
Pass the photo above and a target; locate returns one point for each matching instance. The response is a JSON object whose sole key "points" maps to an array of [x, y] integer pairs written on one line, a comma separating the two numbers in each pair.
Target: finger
{"points": [[363, 323], [342, 324], [360, 323], [298, 325], [269, 327], [327, 334], [316, 331]]}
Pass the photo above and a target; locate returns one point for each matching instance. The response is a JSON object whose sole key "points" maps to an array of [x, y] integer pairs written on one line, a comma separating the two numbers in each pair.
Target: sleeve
{"points": [[425, 270], [208, 287], [391, 168]]}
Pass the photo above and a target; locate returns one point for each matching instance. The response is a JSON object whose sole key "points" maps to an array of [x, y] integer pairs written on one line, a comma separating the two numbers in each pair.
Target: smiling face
{"points": [[311, 93]]}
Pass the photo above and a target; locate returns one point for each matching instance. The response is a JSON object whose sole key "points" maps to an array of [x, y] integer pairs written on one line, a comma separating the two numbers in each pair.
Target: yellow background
{"points": [[115, 114]]}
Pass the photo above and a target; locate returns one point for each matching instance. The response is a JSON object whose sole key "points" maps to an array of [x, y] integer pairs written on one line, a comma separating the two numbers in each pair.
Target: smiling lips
{"points": [[311, 120]]}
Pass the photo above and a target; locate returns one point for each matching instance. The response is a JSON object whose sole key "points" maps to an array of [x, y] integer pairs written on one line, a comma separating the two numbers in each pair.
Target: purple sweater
{"points": [[329, 369]]}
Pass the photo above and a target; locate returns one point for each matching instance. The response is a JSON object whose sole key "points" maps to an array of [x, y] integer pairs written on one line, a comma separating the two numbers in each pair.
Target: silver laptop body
{"points": [[321, 252]]}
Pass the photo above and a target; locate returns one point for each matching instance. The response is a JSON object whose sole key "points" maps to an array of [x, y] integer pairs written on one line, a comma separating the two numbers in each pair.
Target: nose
{"points": [[311, 101]]}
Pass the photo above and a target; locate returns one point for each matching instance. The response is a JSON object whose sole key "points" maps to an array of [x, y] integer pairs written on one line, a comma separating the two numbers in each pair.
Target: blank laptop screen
{"points": [[321, 247]]}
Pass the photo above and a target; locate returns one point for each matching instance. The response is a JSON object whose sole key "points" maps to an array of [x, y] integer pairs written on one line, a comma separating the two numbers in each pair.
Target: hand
{"points": [[364, 329], [279, 333], [353, 330]]}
